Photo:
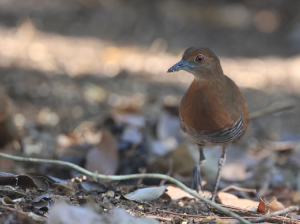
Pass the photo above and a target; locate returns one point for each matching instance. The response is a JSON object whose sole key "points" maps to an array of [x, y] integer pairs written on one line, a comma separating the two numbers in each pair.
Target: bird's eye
{"points": [[200, 58]]}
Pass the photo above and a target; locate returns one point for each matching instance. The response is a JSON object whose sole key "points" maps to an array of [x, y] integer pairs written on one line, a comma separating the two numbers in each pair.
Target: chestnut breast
{"points": [[214, 108]]}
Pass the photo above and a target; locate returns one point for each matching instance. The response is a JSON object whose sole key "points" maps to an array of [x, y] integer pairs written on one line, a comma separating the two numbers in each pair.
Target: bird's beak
{"points": [[181, 65]]}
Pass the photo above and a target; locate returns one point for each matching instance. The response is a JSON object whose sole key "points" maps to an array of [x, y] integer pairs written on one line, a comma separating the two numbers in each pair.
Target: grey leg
{"points": [[221, 164], [197, 171]]}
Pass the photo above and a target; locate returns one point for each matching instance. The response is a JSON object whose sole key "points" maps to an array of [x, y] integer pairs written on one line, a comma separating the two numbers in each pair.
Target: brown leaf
{"points": [[215, 219], [8, 130], [295, 197], [234, 171], [177, 193], [275, 205], [7, 202], [261, 207], [104, 158], [279, 192], [232, 200]]}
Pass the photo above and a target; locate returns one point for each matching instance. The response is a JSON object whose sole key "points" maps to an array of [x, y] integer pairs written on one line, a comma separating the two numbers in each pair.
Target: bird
{"points": [[213, 111]]}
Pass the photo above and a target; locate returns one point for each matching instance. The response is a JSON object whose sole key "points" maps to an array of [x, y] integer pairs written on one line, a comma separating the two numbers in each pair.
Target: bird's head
{"points": [[199, 61]]}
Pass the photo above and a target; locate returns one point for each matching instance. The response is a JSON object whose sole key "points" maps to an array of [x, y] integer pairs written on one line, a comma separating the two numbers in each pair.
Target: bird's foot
{"points": [[197, 175]]}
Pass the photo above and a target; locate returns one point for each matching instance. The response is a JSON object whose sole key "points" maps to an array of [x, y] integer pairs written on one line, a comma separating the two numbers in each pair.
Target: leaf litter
{"points": [[65, 102]]}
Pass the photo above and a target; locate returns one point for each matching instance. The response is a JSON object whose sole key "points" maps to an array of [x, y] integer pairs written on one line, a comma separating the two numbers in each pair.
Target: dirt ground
{"points": [[87, 83]]}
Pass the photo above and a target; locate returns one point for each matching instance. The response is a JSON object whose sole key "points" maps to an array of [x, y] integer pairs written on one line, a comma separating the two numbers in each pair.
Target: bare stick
{"points": [[271, 109], [232, 187], [280, 212], [126, 177], [162, 182]]}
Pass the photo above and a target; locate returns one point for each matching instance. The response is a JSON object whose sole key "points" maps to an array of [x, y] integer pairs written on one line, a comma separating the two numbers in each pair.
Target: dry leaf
{"points": [[217, 220], [177, 193], [261, 207], [234, 171], [295, 197], [105, 158], [42, 202], [279, 192], [17, 180], [232, 200], [7, 164], [12, 192], [146, 194], [8, 202], [8, 130], [275, 205]]}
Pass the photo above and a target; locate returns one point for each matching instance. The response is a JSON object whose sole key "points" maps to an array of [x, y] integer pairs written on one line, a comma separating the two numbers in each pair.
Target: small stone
{"points": [[140, 207], [180, 203], [105, 200], [110, 194]]}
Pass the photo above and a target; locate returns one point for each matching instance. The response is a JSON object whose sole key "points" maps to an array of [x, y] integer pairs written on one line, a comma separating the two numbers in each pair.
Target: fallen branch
{"points": [[232, 187], [280, 212], [158, 217], [126, 177], [271, 109]]}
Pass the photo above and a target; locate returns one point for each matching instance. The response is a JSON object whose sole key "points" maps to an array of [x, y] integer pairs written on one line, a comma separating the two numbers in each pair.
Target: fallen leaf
{"points": [[8, 202], [17, 180], [105, 157], [295, 197], [232, 200], [45, 196], [177, 193], [240, 189], [12, 192], [93, 186], [146, 194], [217, 220], [278, 192], [275, 205], [234, 171], [8, 130], [44, 181], [261, 207]]}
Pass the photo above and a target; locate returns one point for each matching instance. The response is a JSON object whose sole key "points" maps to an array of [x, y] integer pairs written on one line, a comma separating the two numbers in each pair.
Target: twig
{"points": [[126, 177], [141, 170], [170, 171], [280, 212], [158, 217], [174, 213], [232, 187], [271, 109], [200, 216]]}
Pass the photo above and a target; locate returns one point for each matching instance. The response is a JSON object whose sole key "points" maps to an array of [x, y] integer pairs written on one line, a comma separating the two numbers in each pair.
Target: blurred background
{"points": [[85, 81]]}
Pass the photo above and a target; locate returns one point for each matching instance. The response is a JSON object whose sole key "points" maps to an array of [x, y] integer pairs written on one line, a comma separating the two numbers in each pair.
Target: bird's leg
{"points": [[221, 164], [197, 171]]}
